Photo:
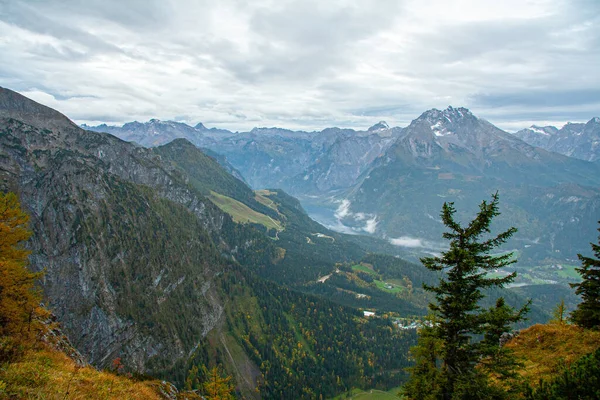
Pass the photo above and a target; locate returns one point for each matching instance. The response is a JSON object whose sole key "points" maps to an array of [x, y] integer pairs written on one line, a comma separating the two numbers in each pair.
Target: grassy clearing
{"points": [[48, 374], [568, 272], [547, 348], [391, 286], [242, 213], [388, 287], [358, 394], [301, 339], [365, 269], [262, 197], [397, 282]]}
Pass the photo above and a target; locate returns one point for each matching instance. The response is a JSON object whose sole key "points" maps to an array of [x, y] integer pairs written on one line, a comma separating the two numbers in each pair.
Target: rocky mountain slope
{"points": [[105, 239], [296, 161], [344, 156], [452, 155], [574, 139]]}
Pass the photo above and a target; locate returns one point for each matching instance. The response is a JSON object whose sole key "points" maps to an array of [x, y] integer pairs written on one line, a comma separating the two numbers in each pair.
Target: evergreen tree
{"points": [[587, 313], [496, 360], [458, 314], [425, 375]]}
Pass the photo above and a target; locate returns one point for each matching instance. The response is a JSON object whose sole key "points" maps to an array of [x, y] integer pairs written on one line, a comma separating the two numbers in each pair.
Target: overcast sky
{"points": [[305, 63]]}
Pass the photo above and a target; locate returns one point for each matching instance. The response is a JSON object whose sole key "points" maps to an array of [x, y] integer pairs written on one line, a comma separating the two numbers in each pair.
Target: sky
{"points": [[304, 64]]}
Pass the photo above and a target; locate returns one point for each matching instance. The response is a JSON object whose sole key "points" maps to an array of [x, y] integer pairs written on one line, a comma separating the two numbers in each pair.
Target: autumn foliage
{"points": [[19, 298]]}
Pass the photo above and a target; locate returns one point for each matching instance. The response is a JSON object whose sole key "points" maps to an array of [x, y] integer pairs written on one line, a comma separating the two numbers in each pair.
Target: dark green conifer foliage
{"points": [[496, 360], [426, 380], [458, 314], [587, 313]]}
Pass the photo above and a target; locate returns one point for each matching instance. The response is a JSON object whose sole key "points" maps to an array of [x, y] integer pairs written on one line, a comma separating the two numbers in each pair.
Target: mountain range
{"points": [[162, 257], [391, 182], [574, 139], [297, 161], [452, 155]]}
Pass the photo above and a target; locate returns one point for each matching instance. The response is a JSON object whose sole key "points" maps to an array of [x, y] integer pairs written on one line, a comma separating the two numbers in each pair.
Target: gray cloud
{"points": [[551, 98], [304, 64]]}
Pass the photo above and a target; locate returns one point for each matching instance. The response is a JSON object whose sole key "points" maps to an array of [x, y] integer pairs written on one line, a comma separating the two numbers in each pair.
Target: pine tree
{"points": [[496, 360], [458, 313], [587, 313], [425, 375]]}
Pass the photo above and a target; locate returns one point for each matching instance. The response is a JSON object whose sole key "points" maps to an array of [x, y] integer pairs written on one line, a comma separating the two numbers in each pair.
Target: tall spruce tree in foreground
{"points": [[587, 313], [449, 361]]}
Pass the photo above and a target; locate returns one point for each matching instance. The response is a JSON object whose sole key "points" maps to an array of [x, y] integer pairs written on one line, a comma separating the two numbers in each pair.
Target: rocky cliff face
{"points": [[342, 156], [127, 246]]}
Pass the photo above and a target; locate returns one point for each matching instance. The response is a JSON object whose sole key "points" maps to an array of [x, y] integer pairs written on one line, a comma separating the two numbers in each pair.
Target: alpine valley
{"points": [[391, 182], [170, 247]]}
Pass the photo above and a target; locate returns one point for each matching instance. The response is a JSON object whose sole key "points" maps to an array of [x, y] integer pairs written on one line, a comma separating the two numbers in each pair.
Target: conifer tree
{"points": [[497, 360], [217, 386], [18, 296], [558, 314], [425, 375], [587, 313], [458, 314]]}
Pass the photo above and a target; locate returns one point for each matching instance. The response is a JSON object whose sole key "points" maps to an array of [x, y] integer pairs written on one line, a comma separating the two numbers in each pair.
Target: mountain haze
{"points": [[451, 155], [391, 182], [574, 139], [296, 161]]}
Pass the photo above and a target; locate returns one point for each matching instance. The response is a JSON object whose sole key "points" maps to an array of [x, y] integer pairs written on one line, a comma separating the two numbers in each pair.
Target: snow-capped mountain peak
{"points": [[380, 126], [443, 122]]}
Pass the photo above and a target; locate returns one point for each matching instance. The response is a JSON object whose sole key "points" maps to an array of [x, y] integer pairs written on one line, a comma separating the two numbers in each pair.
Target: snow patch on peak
{"points": [[381, 125], [439, 129], [596, 120]]}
